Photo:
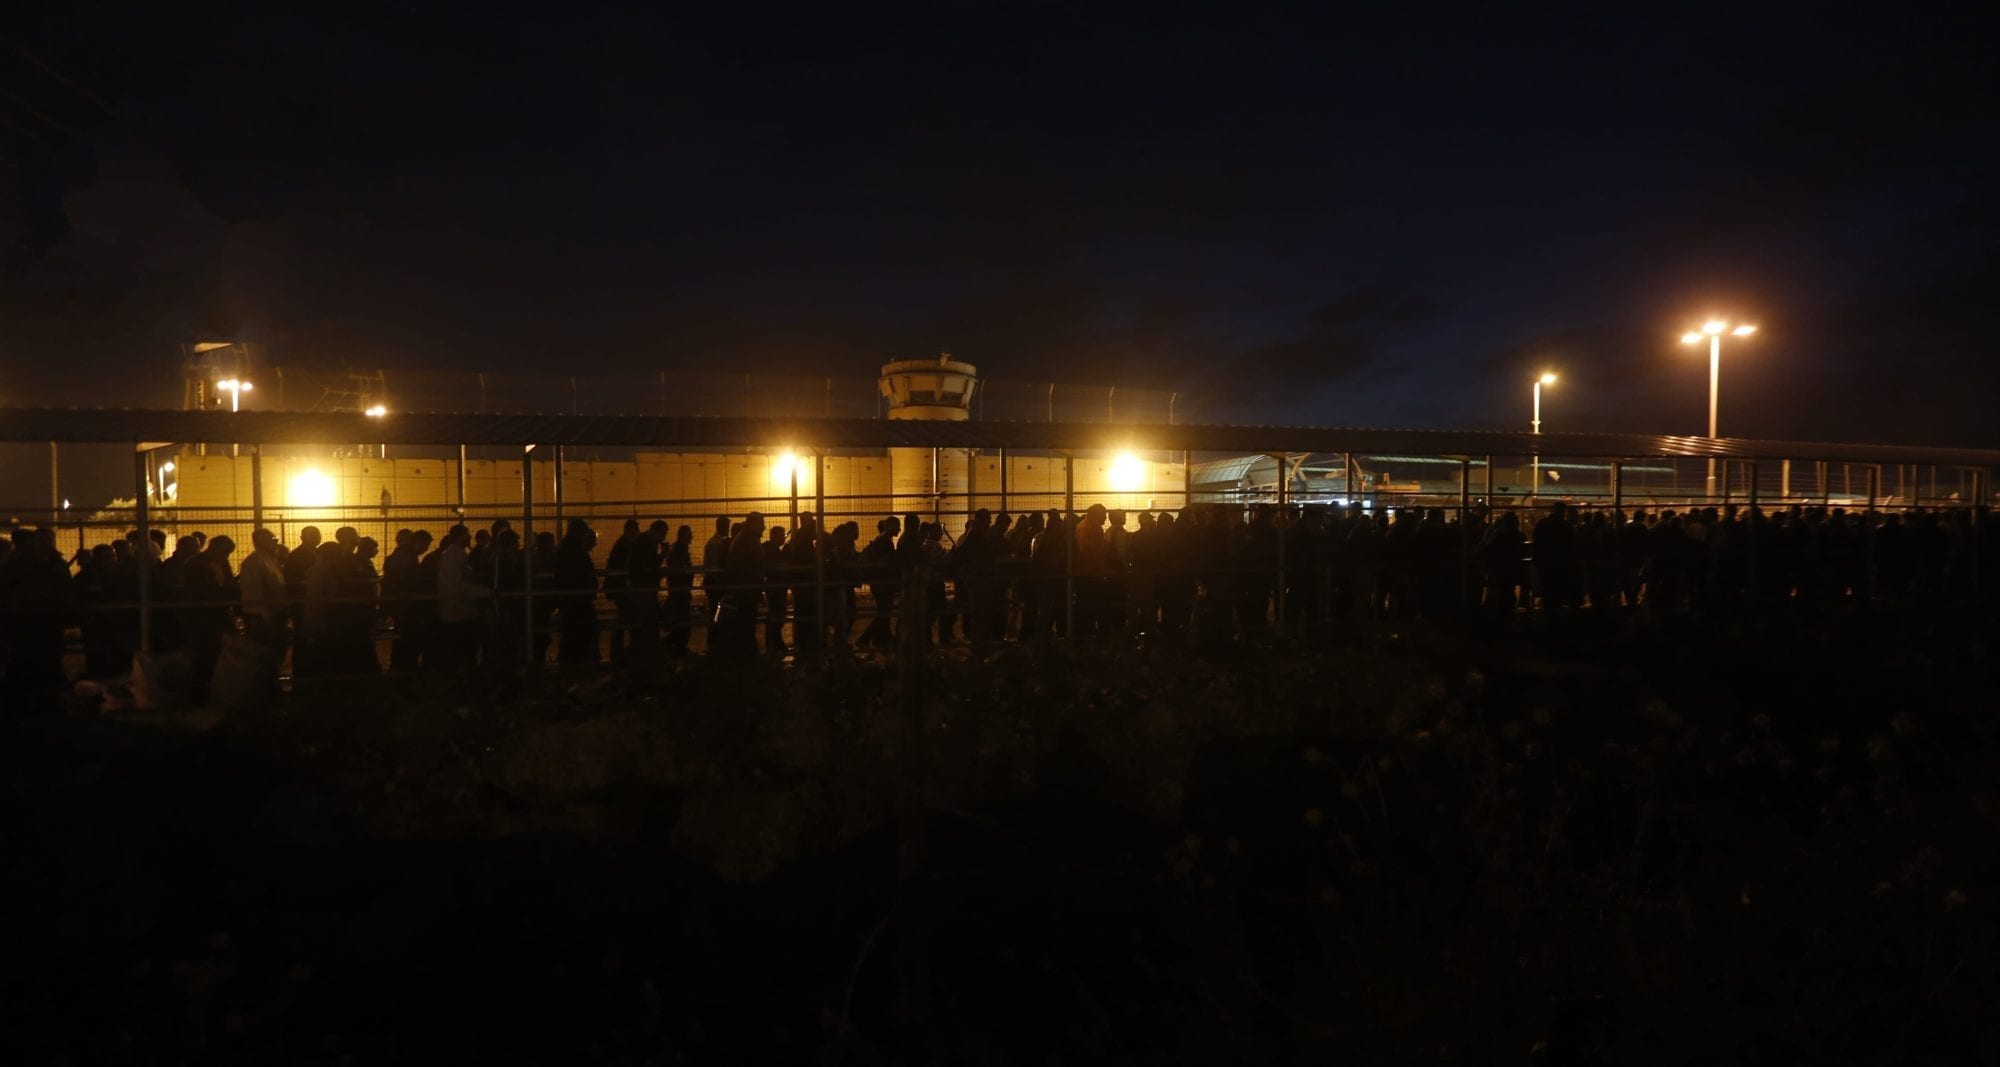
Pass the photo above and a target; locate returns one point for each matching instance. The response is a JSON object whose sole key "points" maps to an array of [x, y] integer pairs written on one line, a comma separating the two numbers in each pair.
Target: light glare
{"points": [[1690, 337], [1127, 474], [1549, 378], [376, 412], [1744, 331], [1713, 326], [312, 490]]}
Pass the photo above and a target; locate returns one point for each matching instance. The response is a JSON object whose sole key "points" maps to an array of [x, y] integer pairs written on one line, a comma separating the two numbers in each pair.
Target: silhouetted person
{"points": [[1558, 572], [617, 579], [299, 564], [576, 580], [456, 646], [879, 562], [406, 601], [35, 592], [211, 597], [679, 610], [95, 590], [776, 566], [734, 631]]}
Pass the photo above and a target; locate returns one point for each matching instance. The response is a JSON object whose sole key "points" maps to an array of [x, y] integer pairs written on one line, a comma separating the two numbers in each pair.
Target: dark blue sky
{"points": [[1376, 217]]}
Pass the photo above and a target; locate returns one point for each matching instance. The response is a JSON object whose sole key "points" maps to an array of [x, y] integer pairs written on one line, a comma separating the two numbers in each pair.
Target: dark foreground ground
{"points": [[1593, 848]]}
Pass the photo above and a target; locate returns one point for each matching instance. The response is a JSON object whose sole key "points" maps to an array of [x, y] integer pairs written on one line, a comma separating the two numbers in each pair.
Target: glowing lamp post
{"points": [[1713, 330], [1547, 378], [376, 411], [235, 388]]}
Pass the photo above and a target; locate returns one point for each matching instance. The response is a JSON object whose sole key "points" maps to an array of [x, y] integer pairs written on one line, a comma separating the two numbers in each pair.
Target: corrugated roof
{"points": [[132, 426]]}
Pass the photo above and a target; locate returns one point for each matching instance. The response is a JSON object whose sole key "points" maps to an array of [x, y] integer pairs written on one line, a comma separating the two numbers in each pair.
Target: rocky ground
{"points": [[1602, 846]]}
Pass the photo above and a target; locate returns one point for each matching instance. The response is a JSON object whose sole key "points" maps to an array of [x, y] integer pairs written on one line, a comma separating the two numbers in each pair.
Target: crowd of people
{"points": [[1206, 572]]}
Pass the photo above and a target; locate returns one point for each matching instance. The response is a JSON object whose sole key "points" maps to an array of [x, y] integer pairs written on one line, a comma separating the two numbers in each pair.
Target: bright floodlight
{"points": [[1127, 474], [312, 490], [1690, 338], [783, 465], [1714, 326], [1549, 378], [167, 467], [1744, 331], [226, 383], [376, 412]]}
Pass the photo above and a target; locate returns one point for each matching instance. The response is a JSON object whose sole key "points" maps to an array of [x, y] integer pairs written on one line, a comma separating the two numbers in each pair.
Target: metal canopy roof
{"points": [[136, 426]]}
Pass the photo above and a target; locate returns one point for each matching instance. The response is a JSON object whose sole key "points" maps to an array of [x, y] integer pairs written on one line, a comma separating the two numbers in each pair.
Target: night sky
{"points": [[1383, 217]]}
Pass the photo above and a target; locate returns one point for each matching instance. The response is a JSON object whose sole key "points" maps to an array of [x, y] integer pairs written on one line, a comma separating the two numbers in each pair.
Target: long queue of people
{"points": [[1209, 572]]}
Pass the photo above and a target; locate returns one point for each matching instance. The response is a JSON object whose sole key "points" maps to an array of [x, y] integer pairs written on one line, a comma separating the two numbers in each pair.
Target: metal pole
{"points": [[1784, 479], [1003, 480], [559, 490], [819, 557], [971, 482], [527, 546], [1052, 401], [1714, 384], [1617, 487], [1187, 478], [1464, 532], [1751, 522], [1172, 399], [256, 487], [461, 483], [1535, 476], [142, 553], [937, 494], [1069, 549], [795, 491], [55, 489], [1284, 483], [1489, 484]]}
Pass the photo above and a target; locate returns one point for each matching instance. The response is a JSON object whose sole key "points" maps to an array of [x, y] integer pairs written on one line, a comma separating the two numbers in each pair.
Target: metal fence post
{"points": [[142, 552], [1464, 530], [1069, 547], [819, 557], [527, 550], [256, 487], [559, 490], [1284, 484]]}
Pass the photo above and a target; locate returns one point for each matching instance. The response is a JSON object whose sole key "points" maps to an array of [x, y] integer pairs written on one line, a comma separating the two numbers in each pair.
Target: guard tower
{"points": [[931, 481]]}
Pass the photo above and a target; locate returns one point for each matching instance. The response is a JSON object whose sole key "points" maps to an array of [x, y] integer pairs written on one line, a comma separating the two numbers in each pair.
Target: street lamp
{"points": [[1713, 330], [1547, 378], [376, 411], [235, 388]]}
